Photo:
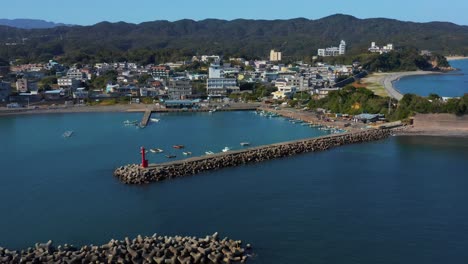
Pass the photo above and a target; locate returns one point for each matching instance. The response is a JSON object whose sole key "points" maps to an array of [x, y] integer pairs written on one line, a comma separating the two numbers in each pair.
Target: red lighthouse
{"points": [[144, 161]]}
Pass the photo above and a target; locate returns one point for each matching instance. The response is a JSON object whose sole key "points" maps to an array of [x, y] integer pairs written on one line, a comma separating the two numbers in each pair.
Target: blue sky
{"points": [[87, 12]]}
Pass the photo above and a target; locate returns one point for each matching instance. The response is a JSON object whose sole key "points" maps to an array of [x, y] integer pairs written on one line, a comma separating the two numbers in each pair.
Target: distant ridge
{"points": [[29, 23], [160, 41]]}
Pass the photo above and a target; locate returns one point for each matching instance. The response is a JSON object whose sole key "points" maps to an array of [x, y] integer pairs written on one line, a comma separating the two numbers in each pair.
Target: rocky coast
{"points": [[155, 249], [135, 174]]}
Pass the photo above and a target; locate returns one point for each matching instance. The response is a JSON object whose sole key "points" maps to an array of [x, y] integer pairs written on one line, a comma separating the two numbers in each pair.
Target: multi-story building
{"points": [[22, 85], [68, 83], [333, 51], [5, 90], [75, 74], [284, 92], [215, 71], [275, 55], [179, 88], [376, 49], [221, 87]]}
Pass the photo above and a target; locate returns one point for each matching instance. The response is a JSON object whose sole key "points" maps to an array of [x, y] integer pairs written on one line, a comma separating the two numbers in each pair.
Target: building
{"points": [[275, 55], [342, 48], [179, 88], [284, 92], [22, 85], [221, 87], [68, 83], [376, 49], [54, 94], [206, 58], [5, 90], [75, 74], [80, 93], [215, 71], [333, 51]]}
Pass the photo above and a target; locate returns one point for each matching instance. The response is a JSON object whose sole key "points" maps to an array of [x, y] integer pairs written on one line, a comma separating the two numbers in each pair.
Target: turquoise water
{"points": [[452, 84], [401, 200]]}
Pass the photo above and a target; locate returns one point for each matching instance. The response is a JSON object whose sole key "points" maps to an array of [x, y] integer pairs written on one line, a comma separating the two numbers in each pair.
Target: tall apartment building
{"points": [[275, 55]]}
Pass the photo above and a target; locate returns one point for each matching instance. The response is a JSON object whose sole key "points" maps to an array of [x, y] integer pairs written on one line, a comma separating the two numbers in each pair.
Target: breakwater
{"points": [[135, 174], [154, 249]]}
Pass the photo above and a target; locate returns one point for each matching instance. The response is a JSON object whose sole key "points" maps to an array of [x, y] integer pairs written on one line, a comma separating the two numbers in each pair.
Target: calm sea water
{"points": [[452, 84], [401, 200]]}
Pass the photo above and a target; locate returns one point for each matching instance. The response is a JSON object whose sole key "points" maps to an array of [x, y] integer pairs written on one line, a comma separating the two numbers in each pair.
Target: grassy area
{"points": [[372, 82]]}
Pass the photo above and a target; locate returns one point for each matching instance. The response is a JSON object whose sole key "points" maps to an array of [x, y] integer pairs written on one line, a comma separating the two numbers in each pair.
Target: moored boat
{"points": [[156, 150], [209, 152], [187, 153], [67, 134], [245, 144], [178, 146], [226, 149], [155, 120], [170, 156]]}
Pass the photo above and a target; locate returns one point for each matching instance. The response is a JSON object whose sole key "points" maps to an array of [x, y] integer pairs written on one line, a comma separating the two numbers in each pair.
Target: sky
{"points": [[89, 12]]}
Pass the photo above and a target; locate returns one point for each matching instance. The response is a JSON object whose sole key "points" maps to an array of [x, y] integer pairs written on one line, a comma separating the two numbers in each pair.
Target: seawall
{"points": [[154, 249], [135, 174]]}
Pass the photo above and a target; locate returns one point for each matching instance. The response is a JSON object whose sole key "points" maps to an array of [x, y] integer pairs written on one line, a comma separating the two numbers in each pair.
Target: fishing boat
{"points": [[212, 111], [155, 120], [156, 150], [67, 134], [187, 153], [226, 149], [178, 146], [245, 144], [209, 153], [130, 123], [170, 156]]}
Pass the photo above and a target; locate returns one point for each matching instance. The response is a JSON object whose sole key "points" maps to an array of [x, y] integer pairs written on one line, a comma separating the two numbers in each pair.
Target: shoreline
{"points": [[388, 81], [134, 108], [455, 58]]}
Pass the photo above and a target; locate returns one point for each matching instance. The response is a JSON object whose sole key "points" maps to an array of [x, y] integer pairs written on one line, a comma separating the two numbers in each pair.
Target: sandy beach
{"points": [[387, 80], [453, 58]]}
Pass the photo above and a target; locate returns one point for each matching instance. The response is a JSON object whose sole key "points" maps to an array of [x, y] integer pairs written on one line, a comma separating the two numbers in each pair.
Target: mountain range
{"points": [[29, 23], [163, 40]]}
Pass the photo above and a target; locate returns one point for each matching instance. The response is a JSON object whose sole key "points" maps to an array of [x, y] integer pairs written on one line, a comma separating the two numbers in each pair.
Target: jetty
{"points": [[146, 118], [137, 174], [155, 249]]}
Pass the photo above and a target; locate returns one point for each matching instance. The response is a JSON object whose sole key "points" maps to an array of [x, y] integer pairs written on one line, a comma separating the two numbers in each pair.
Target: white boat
{"points": [[209, 152], [245, 144], [226, 149], [156, 150], [128, 122], [155, 120], [187, 153], [67, 134]]}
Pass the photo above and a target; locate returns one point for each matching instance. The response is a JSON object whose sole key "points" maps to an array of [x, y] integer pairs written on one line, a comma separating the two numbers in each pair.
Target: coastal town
{"points": [[212, 78]]}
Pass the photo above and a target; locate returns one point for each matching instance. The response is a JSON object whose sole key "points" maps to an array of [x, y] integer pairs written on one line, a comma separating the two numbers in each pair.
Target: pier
{"points": [[146, 118], [136, 174]]}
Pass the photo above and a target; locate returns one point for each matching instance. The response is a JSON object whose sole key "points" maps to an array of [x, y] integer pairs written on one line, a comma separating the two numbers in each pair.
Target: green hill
{"points": [[159, 41]]}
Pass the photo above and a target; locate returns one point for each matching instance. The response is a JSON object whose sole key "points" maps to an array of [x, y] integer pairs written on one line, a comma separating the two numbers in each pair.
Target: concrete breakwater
{"points": [[154, 249], [135, 174]]}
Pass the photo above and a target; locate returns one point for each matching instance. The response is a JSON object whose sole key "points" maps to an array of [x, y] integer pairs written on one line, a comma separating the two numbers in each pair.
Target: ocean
{"points": [[400, 200], [453, 84]]}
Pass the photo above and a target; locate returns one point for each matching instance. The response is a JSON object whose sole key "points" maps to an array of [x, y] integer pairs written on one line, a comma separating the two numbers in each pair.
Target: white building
{"points": [[333, 51], [376, 49], [342, 48], [214, 58], [221, 87], [275, 55], [215, 71]]}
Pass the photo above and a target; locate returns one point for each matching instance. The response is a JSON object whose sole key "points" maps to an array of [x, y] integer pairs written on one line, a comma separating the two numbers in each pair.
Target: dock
{"points": [[146, 118]]}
